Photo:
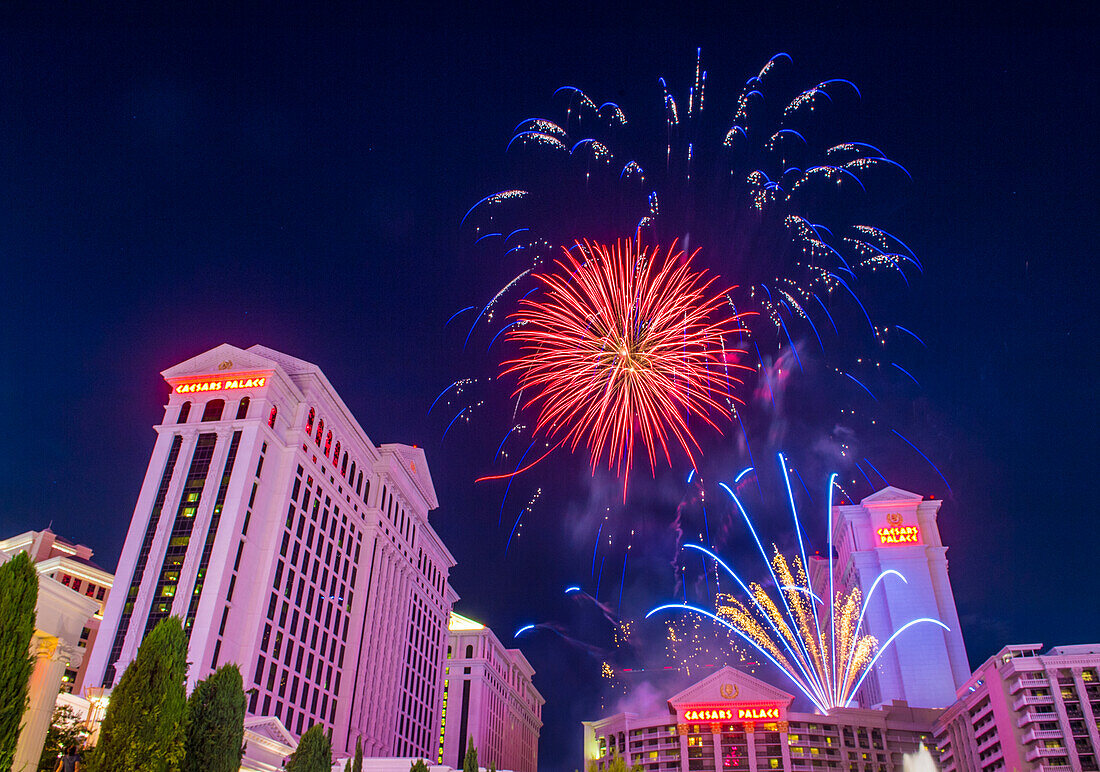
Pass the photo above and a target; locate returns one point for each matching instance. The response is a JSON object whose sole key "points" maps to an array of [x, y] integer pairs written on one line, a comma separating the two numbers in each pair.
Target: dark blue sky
{"points": [[170, 183]]}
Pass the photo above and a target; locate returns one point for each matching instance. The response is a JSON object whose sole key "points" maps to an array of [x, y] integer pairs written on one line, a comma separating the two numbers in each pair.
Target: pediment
{"points": [[730, 685], [270, 728], [892, 495], [222, 359]]}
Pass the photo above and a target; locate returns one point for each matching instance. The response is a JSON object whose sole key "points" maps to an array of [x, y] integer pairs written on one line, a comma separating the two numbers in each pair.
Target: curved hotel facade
{"points": [[291, 545]]}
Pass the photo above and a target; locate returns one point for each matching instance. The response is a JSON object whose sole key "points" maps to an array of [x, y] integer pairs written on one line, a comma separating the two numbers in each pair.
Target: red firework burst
{"points": [[625, 346]]}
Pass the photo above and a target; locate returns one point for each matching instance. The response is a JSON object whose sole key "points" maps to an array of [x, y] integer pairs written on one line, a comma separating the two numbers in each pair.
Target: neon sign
{"points": [[901, 534], [208, 383], [748, 713], [717, 714]]}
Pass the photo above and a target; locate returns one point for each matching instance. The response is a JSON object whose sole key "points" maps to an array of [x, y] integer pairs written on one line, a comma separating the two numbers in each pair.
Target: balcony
{"points": [[1031, 718], [1040, 751], [1049, 767], [1031, 699], [1023, 682], [1042, 734]]}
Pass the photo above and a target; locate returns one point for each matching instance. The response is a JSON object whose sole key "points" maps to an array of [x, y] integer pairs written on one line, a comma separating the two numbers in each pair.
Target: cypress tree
{"points": [[18, 595], [419, 766], [215, 723], [469, 764], [313, 754], [357, 763], [146, 721]]}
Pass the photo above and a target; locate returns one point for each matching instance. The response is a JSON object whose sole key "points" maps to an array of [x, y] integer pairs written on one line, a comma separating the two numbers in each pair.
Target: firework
{"points": [[622, 346], [816, 643]]}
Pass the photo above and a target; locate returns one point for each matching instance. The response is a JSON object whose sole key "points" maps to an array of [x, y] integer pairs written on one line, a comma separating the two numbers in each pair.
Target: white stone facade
{"points": [[293, 546], [490, 697], [896, 530]]}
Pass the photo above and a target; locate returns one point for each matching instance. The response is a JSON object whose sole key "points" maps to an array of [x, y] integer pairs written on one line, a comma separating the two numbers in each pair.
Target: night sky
{"points": [[171, 183]]}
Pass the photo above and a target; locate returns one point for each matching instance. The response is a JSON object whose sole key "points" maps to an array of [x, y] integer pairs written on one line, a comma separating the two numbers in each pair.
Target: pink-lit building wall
{"points": [[490, 697], [291, 545], [1025, 710]]}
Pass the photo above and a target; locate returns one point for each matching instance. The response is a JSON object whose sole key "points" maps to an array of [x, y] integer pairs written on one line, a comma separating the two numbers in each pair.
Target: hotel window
{"points": [[336, 455], [242, 408], [320, 430], [328, 442], [344, 465], [185, 409], [309, 421], [271, 416], [213, 410]]}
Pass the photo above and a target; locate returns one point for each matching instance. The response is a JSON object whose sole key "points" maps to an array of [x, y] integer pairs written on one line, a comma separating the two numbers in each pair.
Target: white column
{"points": [[51, 658]]}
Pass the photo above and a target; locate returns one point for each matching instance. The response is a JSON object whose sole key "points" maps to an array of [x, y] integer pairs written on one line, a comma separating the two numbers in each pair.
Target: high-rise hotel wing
{"points": [[292, 546]]}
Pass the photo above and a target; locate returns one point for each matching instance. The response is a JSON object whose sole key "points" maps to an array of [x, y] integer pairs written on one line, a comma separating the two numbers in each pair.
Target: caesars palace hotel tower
{"points": [[291, 545]]}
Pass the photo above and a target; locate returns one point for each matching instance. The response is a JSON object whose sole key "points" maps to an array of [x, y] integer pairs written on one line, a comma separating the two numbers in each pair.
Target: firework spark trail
{"points": [[621, 349], [827, 662]]}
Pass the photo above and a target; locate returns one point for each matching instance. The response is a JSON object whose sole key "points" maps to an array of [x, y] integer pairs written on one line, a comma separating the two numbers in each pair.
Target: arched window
{"points": [[320, 430], [358, 482], [344, 464], [242, 408], [366, 488], [328, 442], [271, 417], [213, 410], [336, 455], [309, 421], [352, 478], [185, 409], [469, 651]]}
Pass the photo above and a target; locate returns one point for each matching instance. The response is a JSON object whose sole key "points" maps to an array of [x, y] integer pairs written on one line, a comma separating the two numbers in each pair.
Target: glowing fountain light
{"points": [[820, 647], [622, 346]]}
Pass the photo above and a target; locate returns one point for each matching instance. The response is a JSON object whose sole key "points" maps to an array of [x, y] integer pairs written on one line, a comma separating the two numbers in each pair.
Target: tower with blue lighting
{"points": [[894, 532]]}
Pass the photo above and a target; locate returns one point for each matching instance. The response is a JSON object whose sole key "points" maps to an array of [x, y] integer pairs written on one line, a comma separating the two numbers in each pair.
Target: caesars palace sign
{"points": [[753, 713]]}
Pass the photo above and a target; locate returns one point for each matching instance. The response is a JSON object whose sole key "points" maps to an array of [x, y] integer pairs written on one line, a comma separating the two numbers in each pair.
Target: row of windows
{"points": [[90, 589], [240, 548], [143, 557], [340, 463], [313, 583], [214, 410]]}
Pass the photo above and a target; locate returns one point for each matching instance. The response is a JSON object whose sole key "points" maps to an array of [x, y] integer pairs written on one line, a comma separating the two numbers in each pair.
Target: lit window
{"points": [[242, 408], [320, 430], [336, 455], [213, 410], [309, 422], [185, 408], [271, 416], [328, 442]]}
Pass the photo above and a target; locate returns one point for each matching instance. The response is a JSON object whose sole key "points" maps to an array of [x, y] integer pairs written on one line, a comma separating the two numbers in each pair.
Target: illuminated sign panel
{"points": [[728, 712], [899, 534], [222, 383]]}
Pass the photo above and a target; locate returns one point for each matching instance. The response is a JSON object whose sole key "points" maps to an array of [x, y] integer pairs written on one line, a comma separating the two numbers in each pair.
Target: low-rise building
{"points": [[488, 696], [1025, 710], [71, 565], [731, 720]]}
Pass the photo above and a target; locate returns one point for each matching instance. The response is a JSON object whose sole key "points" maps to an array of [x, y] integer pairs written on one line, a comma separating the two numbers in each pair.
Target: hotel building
{"points": [[488, 695], [291, 545], [1024, 710], [731, 720], [895, 530], [71, 565]]}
